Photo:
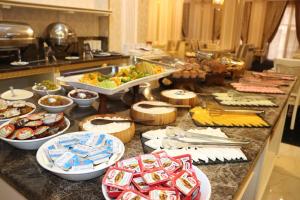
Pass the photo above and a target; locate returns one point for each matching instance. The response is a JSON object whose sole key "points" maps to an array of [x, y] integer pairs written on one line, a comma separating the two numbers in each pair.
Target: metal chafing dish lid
{"points": [[15, 30], [60, 33]]}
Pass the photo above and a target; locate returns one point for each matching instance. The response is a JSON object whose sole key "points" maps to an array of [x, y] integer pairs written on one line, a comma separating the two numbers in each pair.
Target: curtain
{"points": [[297, 15], [274, 14], [246, 21]]}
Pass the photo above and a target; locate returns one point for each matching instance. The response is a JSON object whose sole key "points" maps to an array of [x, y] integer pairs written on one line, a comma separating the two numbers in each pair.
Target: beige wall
{"points": [[84, 24]]}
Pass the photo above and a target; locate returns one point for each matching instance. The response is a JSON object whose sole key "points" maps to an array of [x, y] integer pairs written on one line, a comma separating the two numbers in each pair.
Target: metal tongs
{"points": [[190, 138]]}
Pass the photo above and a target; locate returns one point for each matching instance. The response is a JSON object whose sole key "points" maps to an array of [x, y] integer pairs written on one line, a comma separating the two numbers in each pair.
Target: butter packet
{"points": [[56, 153], [132, 195], [81, 150], [118, 178], [96, 140], [99, 158], [131, 164], [80, 165], [164, 193], [155, 176], [67, 141], [66, 160]]}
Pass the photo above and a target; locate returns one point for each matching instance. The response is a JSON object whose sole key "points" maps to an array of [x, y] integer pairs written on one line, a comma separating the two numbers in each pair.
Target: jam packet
{"points": [[148, 162], [118, 178], [66, 160], [155, 176], [131, 164], [141, 185], [113, 192], [169, 164], [164, 194], [186, 182], [132, 195], [186, 160]]}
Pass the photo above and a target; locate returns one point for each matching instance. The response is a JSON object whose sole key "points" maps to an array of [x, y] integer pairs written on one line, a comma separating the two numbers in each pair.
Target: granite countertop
{"points": [[20, 169], [10, 68]]}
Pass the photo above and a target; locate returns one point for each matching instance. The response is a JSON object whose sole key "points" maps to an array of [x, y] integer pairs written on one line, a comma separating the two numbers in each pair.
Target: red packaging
{"points": [[131, 164], [164, 193], [113, 192], [186, 182], [169, 164], [155, 176], [169, 183], [186, 160], [195, 196], [141, 185], [160, 154], [148, 162], [132, 195], [118, 178]]}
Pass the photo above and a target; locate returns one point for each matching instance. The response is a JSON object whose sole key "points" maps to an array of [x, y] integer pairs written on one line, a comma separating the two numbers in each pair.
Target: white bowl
{"points": [[43, 92], [55, 109], [43, 160], [83, 103], [205, 187], [33, 144]]}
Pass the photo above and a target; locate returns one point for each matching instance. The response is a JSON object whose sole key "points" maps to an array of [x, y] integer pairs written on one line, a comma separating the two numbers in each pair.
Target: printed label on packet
{"points": [[164, 193], [141, 185], [56, 153], [96, 140], [82, 165], [119, 178], [186, 182], [99, 158], [155, 176], [186, 160], [132, 195], [148, 162], [66, 160], [67, 141], [81, 150], [130, 164], [169, 164]]}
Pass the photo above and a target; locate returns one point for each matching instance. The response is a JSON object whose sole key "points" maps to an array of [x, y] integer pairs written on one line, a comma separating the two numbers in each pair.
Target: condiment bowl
{"points": [[55, 109], [33, 144], [44, 92], [81, 102], [84, 174]]}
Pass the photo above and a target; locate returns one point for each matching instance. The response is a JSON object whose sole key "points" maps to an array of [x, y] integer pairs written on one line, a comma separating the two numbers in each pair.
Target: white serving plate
{"points": [[30, 104], [44, 162], [19, 95], [205, 187], [33, 144], [74, 81]]}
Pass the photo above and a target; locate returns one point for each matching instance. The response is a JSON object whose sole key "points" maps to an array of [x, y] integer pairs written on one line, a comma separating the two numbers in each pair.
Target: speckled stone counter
{"points": [[20, 169]]}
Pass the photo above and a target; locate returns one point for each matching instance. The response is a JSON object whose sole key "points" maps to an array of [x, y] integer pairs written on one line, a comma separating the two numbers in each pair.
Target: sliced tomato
{"points": [[24, 133], [7, 130]]}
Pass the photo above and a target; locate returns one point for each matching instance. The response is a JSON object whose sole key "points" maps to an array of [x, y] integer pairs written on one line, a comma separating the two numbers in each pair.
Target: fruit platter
{"points": [[31, 131], [125, 77]]}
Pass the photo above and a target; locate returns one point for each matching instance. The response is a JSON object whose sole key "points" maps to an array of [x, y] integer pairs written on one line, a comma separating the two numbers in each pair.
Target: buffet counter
{"points": [[9, 71], [244, 180]]}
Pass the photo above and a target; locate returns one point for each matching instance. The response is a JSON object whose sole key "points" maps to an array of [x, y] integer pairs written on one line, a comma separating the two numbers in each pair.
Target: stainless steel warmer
{"points": [[60, 34], [15, 35]]}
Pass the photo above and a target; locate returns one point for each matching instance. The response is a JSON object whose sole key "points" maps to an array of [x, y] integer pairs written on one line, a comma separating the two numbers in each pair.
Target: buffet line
{"points": [[168, 169]]}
